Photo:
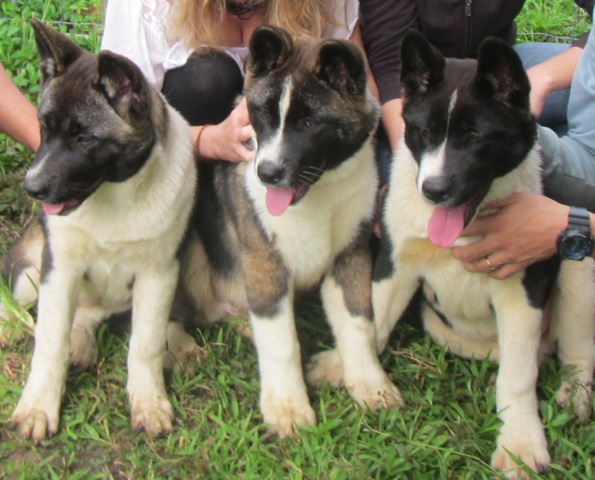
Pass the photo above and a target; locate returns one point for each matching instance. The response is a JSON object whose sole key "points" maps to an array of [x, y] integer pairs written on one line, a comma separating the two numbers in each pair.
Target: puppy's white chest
{"points": [[304, 239], [463, 297], [108, 282], [104, 273]]}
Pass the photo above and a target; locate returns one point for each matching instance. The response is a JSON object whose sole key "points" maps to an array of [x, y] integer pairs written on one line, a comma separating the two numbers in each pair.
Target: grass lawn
{"points": [[447, 430]]}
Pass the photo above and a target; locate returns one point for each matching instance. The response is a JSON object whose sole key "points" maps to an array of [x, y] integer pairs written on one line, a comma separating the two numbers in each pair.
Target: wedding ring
{"points": [[491, 267]]}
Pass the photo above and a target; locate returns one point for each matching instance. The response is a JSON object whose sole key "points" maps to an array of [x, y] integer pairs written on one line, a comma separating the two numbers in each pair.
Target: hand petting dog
{"points": [[520, 231], [232, 137]]}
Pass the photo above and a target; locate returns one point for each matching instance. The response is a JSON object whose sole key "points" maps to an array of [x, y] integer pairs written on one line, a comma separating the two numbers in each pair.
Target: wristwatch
{"points": [[576, 242]]}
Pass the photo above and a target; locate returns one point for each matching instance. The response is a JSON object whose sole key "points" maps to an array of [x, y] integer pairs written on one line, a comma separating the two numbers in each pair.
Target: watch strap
{"points": [[579, 217]]}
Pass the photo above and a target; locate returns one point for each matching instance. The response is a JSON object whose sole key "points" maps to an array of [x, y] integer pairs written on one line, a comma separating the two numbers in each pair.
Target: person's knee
{"points": [[204, 89], [533, 53]]}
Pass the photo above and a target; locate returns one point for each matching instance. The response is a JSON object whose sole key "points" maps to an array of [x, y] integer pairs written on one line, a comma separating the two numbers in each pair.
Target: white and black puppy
{"points": [[470, 139], [297, 217], [116, 176]]}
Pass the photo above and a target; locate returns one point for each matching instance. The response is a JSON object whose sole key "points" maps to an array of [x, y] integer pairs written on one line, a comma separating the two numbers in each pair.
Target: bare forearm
{"points": [[18, 117], [393, 121], [551, 75], [356, 37]]}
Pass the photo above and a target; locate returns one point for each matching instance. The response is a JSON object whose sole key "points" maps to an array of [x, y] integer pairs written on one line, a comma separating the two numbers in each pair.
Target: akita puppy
{"points": [[470, 139], [116, 176], [298, 216]]}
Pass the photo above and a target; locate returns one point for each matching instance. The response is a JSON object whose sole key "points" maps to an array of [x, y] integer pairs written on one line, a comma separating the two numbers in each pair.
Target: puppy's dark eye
{"points": [[474, 136], [262, 114], [305, 122], [418, 131], [86, 139]]}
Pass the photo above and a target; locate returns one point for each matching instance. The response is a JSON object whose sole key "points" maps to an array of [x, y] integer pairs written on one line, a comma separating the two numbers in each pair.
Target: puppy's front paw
{"points": [[36, 418], [182, 351], [83, 348], [375, 393], [530, 449], [325, 367], [241, 326], [153, 414], [577, 396], [184, 361], [283, 415]]}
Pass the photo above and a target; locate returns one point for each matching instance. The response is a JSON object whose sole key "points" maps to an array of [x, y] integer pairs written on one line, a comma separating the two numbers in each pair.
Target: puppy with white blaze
{"points": [[299, 216], [470, 139]]}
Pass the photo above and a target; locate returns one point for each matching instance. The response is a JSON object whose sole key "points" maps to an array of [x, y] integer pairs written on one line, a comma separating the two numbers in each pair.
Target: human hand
{"points": [[520, 231], [230, 139]]}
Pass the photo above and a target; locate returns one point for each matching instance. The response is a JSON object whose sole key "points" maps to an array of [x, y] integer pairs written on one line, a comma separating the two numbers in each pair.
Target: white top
{"points": [[136, 29]]}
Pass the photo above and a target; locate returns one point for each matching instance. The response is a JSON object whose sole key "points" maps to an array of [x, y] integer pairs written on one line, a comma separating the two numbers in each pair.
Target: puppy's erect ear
{"points": [[422, 65], [340, 63], [56, 51], [269, 49], [122, 83], [501, 76]]}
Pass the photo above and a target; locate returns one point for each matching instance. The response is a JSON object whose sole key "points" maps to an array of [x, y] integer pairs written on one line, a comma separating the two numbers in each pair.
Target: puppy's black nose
{"points": [[269, 172], [436, 189], [36, 187]]}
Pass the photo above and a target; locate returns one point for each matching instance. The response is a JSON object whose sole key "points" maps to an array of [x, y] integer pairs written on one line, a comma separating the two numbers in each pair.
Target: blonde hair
{"points": [[200, 22]]}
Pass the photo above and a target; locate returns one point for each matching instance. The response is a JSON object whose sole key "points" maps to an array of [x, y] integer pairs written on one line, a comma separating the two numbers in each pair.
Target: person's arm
{"points": [[393, 121], [554, 74], [356, 37], [18, 117], [384, 23], [522, 230]]}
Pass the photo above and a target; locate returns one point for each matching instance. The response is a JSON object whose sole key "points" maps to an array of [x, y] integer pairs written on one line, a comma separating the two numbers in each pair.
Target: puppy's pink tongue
{"points": [[278, 200], [445, 225], [52, 209]]}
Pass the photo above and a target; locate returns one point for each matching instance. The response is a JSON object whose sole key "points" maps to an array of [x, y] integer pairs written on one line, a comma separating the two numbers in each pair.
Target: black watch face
{"points": [[576, 246]]}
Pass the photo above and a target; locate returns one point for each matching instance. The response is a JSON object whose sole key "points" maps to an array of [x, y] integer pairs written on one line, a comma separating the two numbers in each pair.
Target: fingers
{"points": [[494, 267], [483, 265], [481, 226], [244, 143], [246, 146], [248, 137], [241, 153], [230, 140], [474, 251], [241, 112], [507, 270]]}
